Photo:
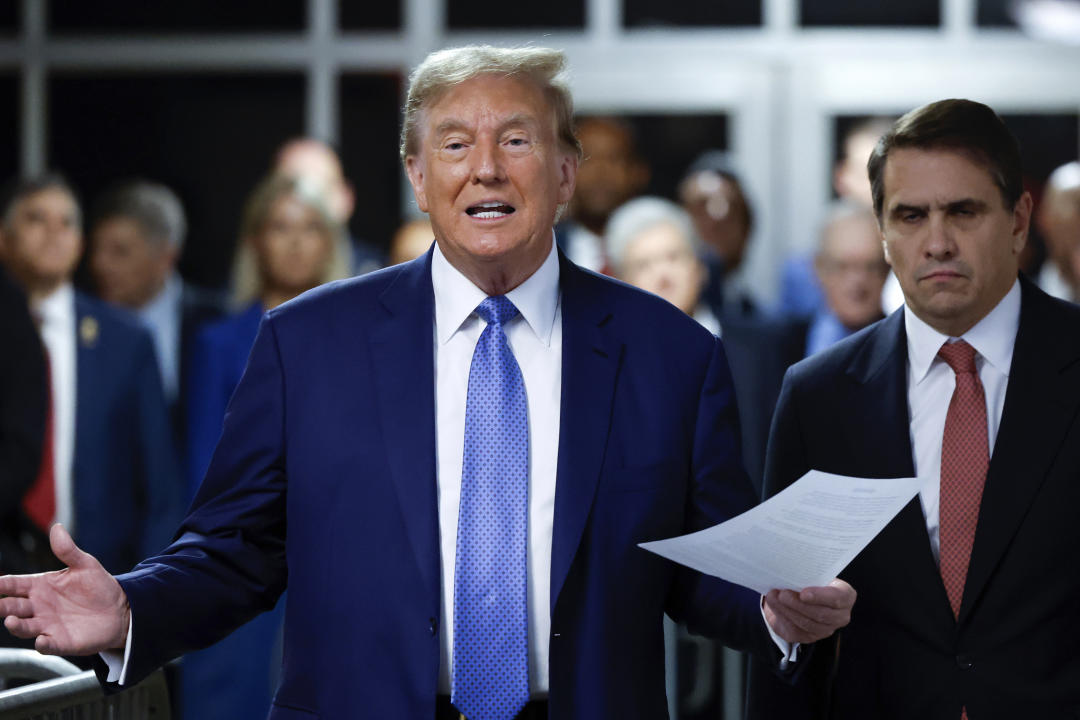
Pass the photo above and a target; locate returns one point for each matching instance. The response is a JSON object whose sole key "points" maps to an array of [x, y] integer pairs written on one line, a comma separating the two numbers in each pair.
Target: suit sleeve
{"points": [[228, 561], [786, 458], [719, 490], [797, 695]]}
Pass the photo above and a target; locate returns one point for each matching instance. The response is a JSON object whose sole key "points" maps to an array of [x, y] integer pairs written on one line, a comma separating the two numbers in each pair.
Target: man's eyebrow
{"points": [[448, 125], [966, 204], [518, 120], [901, 208]]}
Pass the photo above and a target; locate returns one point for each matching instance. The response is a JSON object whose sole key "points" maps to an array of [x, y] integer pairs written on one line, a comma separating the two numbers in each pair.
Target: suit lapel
{"points": [[403, 359], [1037, 414], [591, 359], [881, 369]]}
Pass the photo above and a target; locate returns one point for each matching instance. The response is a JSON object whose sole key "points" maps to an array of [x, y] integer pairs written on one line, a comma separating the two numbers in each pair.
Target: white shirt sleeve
{"points": [[789, 652], [118, 664]]}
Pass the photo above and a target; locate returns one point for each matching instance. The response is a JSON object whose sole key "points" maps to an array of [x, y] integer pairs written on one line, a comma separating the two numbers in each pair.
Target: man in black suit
{"points": [[23, 400], [968, 599]]}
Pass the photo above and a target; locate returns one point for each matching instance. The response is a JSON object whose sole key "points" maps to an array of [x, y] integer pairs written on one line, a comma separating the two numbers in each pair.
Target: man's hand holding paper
{"points": [[792, 547]]}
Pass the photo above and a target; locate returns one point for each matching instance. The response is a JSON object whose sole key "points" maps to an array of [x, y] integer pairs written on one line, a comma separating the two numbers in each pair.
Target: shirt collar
{"points": [[456, 297], [993, 337], [163, 305], [57, 305]]}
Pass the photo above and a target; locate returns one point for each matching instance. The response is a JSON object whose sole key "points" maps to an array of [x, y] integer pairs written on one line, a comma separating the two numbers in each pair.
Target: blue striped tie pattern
{"points": [[491, 673]]}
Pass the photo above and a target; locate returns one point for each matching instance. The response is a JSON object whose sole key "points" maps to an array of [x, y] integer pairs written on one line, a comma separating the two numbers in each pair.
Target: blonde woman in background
{"points": [[289, 243]]}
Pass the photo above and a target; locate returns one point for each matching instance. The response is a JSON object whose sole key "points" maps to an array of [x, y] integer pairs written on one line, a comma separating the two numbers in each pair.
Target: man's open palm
{"points": [[80, 610]]}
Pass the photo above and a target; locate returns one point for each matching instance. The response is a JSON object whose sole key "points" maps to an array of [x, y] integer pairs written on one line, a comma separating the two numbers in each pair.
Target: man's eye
{"points": [[518, 141]]}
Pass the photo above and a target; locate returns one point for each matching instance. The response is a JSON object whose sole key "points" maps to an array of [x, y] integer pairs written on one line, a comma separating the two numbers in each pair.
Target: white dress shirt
{"points": [[535, 337], [57, 316], [161, 316], [930, 385]]}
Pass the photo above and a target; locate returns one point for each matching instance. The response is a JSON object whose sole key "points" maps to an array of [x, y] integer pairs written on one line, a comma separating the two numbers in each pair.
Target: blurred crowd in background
{"points": [[117, 372]]}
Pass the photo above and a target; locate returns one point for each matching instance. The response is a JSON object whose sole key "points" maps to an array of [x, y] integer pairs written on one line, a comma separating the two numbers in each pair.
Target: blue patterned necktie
{"points": [[491, 671]]}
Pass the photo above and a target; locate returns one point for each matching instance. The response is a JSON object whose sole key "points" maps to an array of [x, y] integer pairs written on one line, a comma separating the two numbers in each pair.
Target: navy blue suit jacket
{"points": [[325, 480], [1012, 652], [126, 482]]}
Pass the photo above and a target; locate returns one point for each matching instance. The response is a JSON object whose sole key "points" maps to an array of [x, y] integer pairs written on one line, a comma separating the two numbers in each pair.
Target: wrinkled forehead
{"points": [[494, 97]]}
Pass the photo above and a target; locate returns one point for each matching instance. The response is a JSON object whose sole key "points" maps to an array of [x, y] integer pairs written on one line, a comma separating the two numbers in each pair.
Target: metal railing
{"points": [[63, 692]]}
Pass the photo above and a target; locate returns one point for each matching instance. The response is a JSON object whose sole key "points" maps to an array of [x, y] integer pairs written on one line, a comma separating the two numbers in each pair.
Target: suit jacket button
{"points": [[433, 625], [964, 662]]}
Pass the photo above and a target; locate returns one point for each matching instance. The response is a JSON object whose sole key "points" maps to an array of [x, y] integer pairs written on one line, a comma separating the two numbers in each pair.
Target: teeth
{"points": [[490, 205], [488, 215]]}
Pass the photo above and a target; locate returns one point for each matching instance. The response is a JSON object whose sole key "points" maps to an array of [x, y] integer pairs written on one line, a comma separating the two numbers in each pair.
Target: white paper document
{"points": [[801, 537]]}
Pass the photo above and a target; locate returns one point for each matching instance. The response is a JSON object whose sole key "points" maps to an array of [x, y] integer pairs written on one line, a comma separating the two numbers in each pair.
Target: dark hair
{"points": [[21, 188], [961, 125], [154, 208]]}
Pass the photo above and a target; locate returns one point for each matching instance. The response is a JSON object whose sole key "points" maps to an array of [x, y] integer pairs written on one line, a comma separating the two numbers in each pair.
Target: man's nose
{"points": [[939, 242], [487, 162]]}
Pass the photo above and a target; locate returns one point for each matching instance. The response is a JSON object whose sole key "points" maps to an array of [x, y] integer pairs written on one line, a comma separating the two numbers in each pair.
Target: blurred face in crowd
{"points": [[851, 179], [610, 174], [410, 241], [852, 269], [949, 237], [661, 260], [41, 242], [293, 247], [1059, 220], [129, 268], [490, 172], [317, 163], [718, 210]]}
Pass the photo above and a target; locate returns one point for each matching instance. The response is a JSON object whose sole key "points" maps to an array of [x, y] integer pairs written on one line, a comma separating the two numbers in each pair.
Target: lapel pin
{"points": [[88, 331]]}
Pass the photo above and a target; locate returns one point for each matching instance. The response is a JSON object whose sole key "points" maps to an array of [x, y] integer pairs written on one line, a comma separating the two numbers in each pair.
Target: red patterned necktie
{"points": [[965, 456], [39, 502]]}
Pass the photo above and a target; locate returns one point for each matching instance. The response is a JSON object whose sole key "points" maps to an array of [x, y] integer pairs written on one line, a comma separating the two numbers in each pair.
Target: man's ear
{"points": [[1021, 222], [414, 168], [568, 166]]}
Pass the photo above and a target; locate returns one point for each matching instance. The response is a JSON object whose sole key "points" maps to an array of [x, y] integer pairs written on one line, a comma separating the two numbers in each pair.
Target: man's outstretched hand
{"points": [[811, 615], [80, 610]]}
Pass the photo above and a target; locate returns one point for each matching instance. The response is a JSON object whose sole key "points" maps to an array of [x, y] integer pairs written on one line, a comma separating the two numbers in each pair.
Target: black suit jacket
{"points": [[1013, 651], [23, 403]]}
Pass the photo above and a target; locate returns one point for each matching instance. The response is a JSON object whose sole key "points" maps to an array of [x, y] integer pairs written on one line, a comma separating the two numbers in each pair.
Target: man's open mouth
{"points": [[489, 210]]}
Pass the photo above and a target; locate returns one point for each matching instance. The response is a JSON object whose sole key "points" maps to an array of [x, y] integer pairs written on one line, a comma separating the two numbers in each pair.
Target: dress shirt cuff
{"points": [[117, 662], [789, 652]]}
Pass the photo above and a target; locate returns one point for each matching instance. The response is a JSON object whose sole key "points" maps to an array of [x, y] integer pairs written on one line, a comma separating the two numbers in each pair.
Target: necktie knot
{"points": [[959, 355], [497, 310]]}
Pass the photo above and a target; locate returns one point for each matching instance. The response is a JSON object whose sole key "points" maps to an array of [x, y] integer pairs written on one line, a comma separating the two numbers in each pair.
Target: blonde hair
{"points": [[247, 281], [444, 69]]}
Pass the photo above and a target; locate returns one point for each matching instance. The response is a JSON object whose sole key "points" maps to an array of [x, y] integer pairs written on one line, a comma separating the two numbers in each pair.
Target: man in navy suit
{"points": [[111, 467], [968, 598], [342, 470]]}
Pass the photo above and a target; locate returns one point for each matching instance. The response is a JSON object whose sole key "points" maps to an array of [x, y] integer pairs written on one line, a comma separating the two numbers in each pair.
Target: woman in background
{"points": [[288, 244]]}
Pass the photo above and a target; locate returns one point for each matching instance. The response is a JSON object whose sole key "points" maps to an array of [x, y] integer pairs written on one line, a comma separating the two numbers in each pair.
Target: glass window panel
{"points": [[669, 143], [717, 13], [482, 14], [385, 15], [10, 14], [209, 137], [869, 13], [370, 108], [995, 13], [9, 126], [189, 16]]}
